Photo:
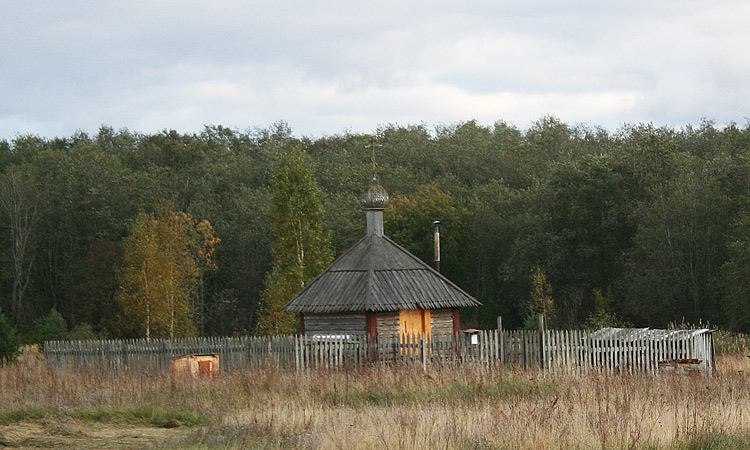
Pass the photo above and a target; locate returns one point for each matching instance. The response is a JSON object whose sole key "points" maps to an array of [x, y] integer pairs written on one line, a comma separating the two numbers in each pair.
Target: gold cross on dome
{"points": [[372, 145]]}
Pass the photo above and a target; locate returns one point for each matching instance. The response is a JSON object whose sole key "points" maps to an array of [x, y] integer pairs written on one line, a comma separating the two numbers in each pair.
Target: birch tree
{"points": [[17, 204], [159, 277], [301, 249]]}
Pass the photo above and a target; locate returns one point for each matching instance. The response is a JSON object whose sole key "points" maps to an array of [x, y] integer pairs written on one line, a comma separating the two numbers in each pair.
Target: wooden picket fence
{"points": [[629, 350], [553, 350]]}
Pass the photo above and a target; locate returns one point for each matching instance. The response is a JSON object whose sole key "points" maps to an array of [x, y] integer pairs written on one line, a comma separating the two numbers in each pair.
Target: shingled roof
{"points": [[376, 274]]}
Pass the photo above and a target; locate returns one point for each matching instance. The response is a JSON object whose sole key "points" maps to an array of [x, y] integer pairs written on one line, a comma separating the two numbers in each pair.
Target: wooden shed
{"points": [[195, 365], [377, 287]]}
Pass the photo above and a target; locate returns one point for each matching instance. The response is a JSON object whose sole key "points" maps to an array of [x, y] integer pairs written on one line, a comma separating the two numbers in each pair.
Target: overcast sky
{"points": [[328, 66]]}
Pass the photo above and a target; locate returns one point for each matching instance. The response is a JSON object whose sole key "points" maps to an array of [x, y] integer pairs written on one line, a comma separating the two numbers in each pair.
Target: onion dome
{"points": [[376, 196]]}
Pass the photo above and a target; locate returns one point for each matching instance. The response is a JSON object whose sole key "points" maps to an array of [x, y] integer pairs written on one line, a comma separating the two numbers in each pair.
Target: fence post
{"points": [[502, 346], [297, 341], [423, 348]]}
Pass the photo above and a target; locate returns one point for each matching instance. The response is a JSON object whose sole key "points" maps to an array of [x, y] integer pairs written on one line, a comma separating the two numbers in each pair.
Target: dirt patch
{"points": [[71, 434]]}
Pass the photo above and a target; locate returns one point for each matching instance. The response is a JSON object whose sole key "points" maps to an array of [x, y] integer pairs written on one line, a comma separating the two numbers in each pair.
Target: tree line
{"points": [[643, 225]]}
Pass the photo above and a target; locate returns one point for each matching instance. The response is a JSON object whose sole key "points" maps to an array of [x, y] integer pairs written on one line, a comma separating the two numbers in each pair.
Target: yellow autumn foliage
{"points": [[163, 257]]}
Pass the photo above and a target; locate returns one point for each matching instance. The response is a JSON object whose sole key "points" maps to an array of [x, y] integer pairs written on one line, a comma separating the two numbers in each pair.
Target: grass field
{"points": [[456, 407]]}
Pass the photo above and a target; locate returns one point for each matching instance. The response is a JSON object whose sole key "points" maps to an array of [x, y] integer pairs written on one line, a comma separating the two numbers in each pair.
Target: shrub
{"points": [[51, 327], [83, 332], [729, 343]]}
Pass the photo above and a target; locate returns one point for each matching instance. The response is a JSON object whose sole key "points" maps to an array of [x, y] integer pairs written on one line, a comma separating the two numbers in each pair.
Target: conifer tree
{"points": [[51, 327], [301, 249], [9, 342], [542, 302]]}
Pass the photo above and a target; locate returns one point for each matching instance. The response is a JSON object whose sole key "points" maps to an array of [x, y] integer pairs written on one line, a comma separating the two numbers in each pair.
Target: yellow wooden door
{"points": [[414, 321], [414, 324], [204, 368]]}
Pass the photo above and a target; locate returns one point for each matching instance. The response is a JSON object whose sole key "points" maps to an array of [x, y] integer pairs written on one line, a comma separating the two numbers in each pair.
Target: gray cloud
{"points": [[331, 66]]}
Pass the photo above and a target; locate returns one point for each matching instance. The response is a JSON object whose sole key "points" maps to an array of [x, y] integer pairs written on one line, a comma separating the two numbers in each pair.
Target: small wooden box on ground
{"points": [[680, 366], [195, 365]]}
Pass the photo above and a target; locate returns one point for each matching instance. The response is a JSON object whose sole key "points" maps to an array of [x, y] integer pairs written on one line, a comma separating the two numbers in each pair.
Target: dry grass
{"points": [[464, 407]]}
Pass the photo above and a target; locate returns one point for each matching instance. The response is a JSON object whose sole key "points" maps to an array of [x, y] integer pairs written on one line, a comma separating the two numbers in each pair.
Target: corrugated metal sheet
{"points": [[633, 334], [376, 274]]}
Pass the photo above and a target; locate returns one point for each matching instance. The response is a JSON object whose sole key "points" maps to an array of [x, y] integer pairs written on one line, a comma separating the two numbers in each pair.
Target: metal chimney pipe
{"points": [[437, 244]]}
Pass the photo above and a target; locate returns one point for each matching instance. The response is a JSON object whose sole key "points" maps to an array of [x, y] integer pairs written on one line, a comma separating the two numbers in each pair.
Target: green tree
{"points": [[497, 222], [9, 342], [301, 249], [735, 273], [93, 297], [673, 270], [645, 213], [17, 203], [409, 221], [245, 255], [586, 214], [226, 315], [604, 314], [467, 152]]}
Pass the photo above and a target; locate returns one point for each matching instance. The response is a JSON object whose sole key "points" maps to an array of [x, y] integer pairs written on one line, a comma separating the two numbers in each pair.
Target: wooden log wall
{"points": [[386, 324], [441, 321], [335, 324]]}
